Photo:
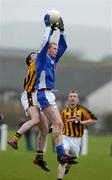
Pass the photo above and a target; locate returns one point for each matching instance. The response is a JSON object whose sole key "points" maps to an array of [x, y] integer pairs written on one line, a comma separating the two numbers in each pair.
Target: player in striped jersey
{"points": [[30, 78], [74, 117], [30, 105]]}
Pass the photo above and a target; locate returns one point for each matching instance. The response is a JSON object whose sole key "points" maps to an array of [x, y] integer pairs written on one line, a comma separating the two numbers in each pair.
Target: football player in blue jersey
{"points": [[46, 61]]}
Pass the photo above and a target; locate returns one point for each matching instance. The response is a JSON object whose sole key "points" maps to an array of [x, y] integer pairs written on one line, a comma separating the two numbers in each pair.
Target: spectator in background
{"points": [[27, 135]]}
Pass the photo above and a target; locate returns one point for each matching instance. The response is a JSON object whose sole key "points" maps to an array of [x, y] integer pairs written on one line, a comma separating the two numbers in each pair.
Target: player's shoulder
{"points": [[32, 65], [84, 108]]}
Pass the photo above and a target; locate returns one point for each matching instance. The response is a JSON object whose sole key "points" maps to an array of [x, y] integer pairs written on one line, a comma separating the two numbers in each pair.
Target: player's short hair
{"points": [[51, 44], [73, 91], [29, 58]]}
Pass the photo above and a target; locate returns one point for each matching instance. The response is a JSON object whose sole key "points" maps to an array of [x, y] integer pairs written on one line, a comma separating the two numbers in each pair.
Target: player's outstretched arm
{"points": [[62, 45], [46, 37], [41, 55]]}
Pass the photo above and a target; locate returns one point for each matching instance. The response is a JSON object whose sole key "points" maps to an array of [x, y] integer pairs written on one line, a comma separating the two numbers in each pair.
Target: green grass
{"points": [[97, 165]]}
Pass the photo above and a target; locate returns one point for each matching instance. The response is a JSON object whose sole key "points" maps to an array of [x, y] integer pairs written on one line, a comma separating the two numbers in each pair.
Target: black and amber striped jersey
{"points": [[68, 114], [30, 78]]}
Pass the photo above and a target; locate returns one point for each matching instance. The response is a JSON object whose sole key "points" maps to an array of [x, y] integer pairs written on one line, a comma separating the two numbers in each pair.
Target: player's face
{"points": [[73, 99], [33, 57], [53, 50]]}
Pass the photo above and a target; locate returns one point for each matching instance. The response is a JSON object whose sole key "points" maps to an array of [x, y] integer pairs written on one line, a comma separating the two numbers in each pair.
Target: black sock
{"points": [[39, 155], [17, 135]]}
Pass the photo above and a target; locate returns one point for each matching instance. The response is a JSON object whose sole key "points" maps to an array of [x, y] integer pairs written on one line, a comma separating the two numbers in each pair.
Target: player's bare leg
{"points": [[53, 115], [64, 168], [61, 171], [34, 114], [43, 127]]}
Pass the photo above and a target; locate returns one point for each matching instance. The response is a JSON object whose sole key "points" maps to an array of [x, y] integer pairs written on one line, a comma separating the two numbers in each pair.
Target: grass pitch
{"points": [[97, 165]]}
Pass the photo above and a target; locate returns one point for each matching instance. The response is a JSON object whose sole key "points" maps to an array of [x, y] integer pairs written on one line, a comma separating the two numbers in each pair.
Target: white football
{"points": [[54, 16]]}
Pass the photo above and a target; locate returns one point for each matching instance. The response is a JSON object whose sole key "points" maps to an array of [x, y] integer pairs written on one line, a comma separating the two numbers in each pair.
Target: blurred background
{"points": [[86, 65]]}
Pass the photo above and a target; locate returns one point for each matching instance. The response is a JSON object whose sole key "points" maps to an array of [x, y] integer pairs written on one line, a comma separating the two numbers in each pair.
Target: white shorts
{"points": [[73, 144], [29, 99], [45, 98]]}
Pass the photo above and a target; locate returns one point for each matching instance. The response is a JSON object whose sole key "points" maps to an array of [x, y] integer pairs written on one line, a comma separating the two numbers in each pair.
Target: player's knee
{"points": [[58, 124], [57, 129]]}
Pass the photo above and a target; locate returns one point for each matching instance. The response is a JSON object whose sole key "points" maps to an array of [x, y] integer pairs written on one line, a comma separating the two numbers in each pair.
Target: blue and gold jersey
{"points": [[45, 65]]}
